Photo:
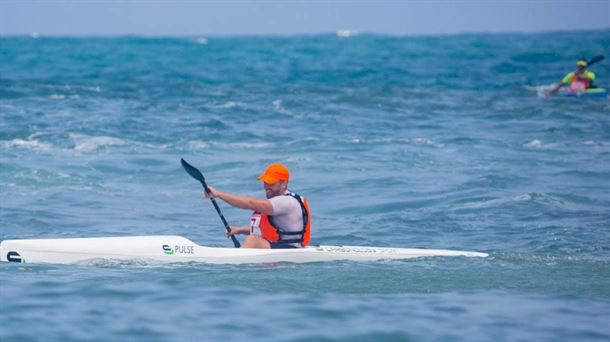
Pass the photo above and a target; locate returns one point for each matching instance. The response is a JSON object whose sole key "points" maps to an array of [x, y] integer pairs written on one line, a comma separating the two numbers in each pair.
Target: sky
{"points": [[290, 17]]}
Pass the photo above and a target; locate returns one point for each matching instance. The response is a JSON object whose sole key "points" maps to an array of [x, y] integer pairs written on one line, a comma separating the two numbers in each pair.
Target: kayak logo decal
{"points": [[168, 250], [345, 249], [178, 249], [13, 256], [184, 249], [350, 249]]}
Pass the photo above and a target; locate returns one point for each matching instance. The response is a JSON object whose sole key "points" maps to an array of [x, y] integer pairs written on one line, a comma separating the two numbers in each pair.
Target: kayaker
{"points": [[282, 220], [577, 81]]}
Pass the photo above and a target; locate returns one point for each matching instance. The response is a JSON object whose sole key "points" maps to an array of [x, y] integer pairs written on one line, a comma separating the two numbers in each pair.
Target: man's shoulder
{"points": [[568, 77], [286, 199], [284, 203]]}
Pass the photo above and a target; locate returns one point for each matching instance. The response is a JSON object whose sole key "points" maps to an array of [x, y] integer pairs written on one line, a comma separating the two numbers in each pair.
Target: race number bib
{"points": [[255, 222]]}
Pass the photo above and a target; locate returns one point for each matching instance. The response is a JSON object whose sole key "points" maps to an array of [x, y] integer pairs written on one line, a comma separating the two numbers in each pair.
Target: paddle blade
{"points": [[595, 60], [191, 170]]}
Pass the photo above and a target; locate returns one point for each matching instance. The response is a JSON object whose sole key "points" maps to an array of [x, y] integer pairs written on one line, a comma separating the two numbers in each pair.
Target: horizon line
{"points": [[342, 33]]}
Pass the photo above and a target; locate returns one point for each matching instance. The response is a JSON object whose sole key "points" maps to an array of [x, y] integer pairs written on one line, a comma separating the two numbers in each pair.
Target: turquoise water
{"points": [[432, 142]]}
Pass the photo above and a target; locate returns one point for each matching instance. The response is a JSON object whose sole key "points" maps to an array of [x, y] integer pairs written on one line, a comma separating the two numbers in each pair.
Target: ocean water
{"points": [[431, 142]]}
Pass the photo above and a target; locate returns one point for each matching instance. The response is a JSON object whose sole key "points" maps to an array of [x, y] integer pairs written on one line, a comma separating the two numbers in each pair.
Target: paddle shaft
{"points": [[195, 173], [222, 217]]}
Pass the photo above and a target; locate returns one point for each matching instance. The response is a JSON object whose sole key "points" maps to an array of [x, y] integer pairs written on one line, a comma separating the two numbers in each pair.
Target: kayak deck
{"points": [[176, 249]]}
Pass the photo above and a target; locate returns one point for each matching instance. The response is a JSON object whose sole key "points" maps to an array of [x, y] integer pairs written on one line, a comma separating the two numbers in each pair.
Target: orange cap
{"points": [[274, 173]]}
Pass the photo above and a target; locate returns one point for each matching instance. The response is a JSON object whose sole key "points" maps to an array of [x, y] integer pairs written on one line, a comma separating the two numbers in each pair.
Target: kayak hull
{"points": [[589, 93], [177, 249]]}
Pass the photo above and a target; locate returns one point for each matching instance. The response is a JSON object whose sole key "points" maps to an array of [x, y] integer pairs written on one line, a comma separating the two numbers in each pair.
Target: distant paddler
{"points": [[580, 80]]}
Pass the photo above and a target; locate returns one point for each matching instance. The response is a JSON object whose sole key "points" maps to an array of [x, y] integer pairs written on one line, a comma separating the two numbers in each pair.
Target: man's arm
{"points": [[555, 89], [238, 230], [566, 80], [262, 206]]}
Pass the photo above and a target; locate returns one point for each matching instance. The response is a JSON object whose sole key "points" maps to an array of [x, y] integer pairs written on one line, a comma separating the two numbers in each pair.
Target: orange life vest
{"points": [[579, 84], [273, 234]]}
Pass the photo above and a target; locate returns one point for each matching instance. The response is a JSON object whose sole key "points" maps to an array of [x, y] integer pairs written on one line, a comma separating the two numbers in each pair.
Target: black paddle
{"points": [[191, 170], [595, 60]]}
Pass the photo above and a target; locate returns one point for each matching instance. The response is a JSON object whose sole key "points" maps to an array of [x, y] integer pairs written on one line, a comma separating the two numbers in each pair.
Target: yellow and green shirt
{"points": [[587, 74]]}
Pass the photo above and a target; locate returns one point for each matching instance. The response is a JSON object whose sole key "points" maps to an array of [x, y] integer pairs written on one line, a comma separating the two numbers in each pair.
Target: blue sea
{"points": [[403, 141]]}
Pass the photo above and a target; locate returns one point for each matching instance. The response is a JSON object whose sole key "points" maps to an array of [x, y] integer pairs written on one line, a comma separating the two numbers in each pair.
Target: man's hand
{"points": [[238, 230], [212, 193]]}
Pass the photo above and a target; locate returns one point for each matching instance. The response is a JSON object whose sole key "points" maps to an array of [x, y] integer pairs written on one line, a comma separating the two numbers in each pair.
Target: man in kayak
{"points": [[577, 81], [282, 220]]}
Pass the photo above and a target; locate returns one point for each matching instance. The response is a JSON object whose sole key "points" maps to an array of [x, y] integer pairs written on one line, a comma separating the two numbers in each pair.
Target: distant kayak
{"points": [[177, 249], [589, 93]]}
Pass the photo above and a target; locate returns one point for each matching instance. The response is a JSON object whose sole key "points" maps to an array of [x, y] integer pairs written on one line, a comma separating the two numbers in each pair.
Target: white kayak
{"points": [[176, 249]]}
